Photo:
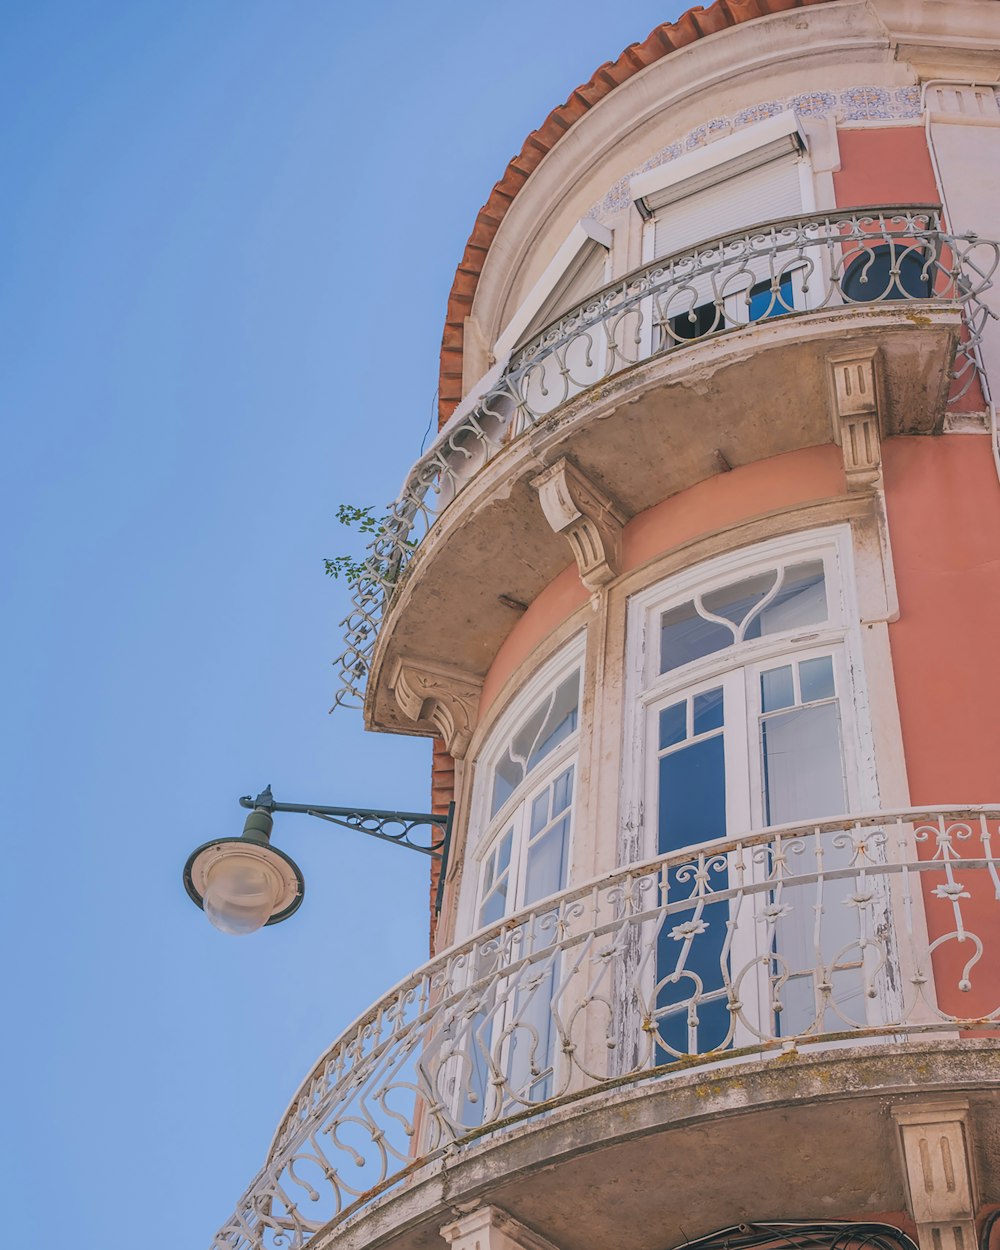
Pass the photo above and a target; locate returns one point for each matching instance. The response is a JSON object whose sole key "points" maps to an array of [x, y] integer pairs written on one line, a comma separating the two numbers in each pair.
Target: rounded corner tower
{"points": [[696, 591]]}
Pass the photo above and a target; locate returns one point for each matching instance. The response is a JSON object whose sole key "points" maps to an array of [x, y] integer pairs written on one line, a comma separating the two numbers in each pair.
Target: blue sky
{"points": [[228, 234]]}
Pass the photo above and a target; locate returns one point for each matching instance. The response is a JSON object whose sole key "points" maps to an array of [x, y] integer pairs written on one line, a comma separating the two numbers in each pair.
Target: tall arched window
{"points": [[522, 826], [748, 712]]}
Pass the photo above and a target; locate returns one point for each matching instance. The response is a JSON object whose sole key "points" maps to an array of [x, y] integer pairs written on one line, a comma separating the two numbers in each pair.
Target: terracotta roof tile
{"points": [[695, 24]]}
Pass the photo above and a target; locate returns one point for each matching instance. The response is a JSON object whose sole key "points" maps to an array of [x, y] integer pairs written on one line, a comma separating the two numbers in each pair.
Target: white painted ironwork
{"points": [[586, 988], [790, 266]]}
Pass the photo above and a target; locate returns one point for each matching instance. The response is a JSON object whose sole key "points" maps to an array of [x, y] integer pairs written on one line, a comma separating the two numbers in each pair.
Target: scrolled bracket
{"points": [[439, 694], [589, 518]]}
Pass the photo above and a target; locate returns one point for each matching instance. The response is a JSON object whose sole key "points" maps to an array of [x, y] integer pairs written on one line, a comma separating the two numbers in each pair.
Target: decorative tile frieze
{"points": [[852, 104]]}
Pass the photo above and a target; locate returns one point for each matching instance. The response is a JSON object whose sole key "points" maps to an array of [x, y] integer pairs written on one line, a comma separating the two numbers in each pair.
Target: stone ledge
{"points": [[804, 1134]]}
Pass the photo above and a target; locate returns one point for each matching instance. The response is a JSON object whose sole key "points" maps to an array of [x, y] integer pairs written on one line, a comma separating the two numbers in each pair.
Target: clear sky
{"points": [[227, 233]]}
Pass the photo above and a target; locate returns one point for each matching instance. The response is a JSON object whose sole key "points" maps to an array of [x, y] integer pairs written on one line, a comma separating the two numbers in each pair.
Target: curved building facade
{"points": [[697, 592]]}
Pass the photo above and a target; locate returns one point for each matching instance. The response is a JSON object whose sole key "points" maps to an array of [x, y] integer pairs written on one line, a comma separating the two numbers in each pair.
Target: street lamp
{"points": [[244, 883]]}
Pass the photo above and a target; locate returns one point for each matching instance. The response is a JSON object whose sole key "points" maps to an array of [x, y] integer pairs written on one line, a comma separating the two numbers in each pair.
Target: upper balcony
{"points": [[712, 358], [808, 971]]}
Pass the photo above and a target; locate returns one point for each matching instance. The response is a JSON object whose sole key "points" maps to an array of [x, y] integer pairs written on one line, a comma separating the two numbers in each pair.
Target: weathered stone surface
{"points": [[807, 1134]]}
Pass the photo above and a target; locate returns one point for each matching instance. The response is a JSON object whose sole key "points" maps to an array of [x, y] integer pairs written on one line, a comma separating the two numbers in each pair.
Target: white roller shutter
{"points": [[757, 195]]}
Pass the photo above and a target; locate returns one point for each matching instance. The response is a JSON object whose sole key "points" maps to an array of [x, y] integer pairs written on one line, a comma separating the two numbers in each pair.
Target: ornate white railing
{"points": [[793, 266], [884, 925]]}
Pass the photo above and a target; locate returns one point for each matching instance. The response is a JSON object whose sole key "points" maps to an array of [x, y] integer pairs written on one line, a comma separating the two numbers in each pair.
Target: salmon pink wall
{"points": [[892, 166], [724, 500], [889, 165], [943, 503]]}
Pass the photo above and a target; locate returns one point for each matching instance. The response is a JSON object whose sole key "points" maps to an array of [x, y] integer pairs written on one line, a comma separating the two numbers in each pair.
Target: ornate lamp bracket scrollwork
{"points": [[590, 519], [855, 386], [441, 695]]}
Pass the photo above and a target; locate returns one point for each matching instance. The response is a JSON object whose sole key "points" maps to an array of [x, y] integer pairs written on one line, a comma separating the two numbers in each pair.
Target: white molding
{"points": [[587, 233], [749, 148], [490, 1228], [446, 696]]}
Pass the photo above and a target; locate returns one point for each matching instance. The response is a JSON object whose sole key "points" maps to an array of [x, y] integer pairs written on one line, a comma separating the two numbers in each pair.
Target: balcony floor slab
{"points": [[801, 1135]]}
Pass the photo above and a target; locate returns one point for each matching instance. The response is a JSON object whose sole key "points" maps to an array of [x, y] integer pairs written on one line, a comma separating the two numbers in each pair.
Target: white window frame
{"points": [[484, 829], [737, 668], [647, 688]]}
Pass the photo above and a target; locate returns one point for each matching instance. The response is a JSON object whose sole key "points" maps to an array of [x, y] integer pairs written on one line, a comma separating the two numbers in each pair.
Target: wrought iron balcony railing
{"points": [[876, 926], [788, 267]]}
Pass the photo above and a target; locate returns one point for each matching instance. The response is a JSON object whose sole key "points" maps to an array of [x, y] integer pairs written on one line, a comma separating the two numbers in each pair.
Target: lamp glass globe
{"points": [[240, 893]]}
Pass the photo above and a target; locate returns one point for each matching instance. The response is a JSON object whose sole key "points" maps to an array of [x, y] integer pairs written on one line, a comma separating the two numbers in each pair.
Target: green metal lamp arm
{"points": [[372, 821]]}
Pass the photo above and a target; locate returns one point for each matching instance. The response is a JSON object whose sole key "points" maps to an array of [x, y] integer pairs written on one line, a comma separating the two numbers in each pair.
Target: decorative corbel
{"points": [[937, 1157], [447, 697], [855, 389], [591, 520], [490, 1228]]}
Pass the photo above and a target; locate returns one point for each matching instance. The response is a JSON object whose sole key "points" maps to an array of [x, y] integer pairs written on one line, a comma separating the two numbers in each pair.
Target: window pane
{"points": [[506, 778], [692, 795], [776, 689], [526, 734], [504, 856], [549, 722], [816, 679], [561, 719], [803, 764], [673, 724], [562, 792], [686, 636], [539, 813], [546, 871], [708, 710], [495, 906], [767, 300], [736, 601], [800, 601]]}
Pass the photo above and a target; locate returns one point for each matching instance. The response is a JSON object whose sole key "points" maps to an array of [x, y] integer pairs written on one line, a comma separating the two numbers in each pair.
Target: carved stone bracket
{"points": [[446, 697], [591, 520], [937, 1154], [855, 393], [489, 1228]]}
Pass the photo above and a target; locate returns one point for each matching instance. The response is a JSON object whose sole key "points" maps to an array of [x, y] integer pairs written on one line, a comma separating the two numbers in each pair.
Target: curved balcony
{"points": [[743, 325], [744, 958]]}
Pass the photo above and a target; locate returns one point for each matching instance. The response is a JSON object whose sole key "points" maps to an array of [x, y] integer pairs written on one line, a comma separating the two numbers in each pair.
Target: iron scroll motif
{"points": [[399, 828], [794, 265], [863, 927]]}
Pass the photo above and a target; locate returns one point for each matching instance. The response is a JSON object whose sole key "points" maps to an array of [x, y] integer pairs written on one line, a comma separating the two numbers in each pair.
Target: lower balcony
{"points": [[744, 1009]]}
